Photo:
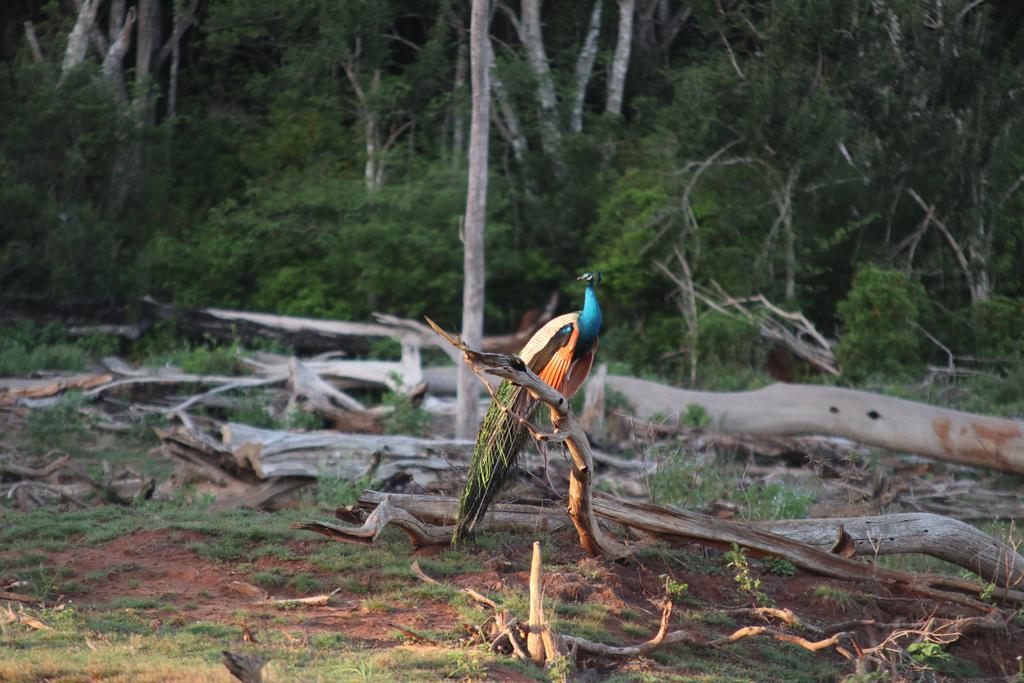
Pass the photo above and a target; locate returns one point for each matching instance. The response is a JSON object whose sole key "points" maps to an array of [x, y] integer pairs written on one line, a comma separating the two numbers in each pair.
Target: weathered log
{"points": [[303, 334], [351, 457], [797, 409], [941, 537], [309, 393], [945, 538]]}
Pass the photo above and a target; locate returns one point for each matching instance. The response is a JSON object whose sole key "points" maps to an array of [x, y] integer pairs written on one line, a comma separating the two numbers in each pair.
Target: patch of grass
{"points": [[305, 583], [833, 597], [271, 579], [134, 603], [691, 480], [332, 491], [58, 425], [26, 347]]}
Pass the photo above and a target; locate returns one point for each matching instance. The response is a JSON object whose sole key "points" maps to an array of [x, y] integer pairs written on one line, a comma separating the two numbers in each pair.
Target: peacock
{"points": [[561, 353]]}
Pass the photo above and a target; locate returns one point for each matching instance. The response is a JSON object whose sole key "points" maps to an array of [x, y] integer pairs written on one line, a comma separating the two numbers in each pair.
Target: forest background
{"points": [[859, 161]]}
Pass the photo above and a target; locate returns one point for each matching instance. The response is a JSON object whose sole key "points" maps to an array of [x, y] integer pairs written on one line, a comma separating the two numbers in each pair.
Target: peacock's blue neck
{"points": [[590, 317]]}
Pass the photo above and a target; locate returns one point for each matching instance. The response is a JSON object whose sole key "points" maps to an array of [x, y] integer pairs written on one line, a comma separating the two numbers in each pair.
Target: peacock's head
{"points": [[590, 278]]}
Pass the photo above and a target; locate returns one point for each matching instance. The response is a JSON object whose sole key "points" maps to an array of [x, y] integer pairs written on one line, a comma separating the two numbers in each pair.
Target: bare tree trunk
{"points": [[508, 119], [373, 171], [113, 69], [147, 42], [184, 18], [620, 63], [585, 66], [459, 125], [78, 39], [530, 33], [33, 41], [476, 210]]}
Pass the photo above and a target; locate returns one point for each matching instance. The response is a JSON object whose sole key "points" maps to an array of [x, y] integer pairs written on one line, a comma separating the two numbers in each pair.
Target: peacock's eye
{"points": [[566, 330]]}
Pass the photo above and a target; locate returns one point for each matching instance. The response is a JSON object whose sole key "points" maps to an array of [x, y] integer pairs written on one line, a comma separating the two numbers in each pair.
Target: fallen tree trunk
{"points": [[798, 409], [941, 537], [897, 534], [352, 457], [305, 334]]}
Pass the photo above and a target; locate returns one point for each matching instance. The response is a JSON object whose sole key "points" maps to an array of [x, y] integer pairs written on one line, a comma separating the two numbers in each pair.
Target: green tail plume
{"points": [[497, 449]]}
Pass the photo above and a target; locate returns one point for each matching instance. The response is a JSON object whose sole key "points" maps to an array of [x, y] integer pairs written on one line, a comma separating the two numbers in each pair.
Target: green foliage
{"points": [[675, 590], [695, 417], [833, 597], [26, 347], [879, 317], [779, 566], [690, 480], [405, 417], [746, 582]]}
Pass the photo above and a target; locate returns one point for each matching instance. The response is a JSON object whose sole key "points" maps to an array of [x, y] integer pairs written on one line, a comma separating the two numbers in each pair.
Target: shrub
{"points": [[878, 325]]}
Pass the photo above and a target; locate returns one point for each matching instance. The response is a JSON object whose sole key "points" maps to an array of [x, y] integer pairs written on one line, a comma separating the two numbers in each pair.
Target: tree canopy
{"points": [[309, 158]]}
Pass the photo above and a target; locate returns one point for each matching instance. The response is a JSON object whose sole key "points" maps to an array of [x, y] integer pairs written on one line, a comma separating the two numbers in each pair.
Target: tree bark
{"points": [[476, 214], [798, 409], [529, 29], [458, 106], [147, 43], [585, 66], [78, 39], [33, 41], [506, 111], [620, 63], [935, 535], [351, 457]]}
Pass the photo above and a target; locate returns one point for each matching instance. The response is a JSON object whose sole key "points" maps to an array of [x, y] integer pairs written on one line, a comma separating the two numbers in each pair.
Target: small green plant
{"points": [[987, 592], [466, 666], [559, 669], [59, 425], [695, 417], [736, 559], [675, 590], [929, 654], [405, 418], [779, 566]]}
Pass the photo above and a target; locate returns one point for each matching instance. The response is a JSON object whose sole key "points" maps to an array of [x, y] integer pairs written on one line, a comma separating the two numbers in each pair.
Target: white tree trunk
{"points": [[476, 210], [507, 112], [459, 123], [585, 66], [620, 63], [78, 39], [533, 39], [797, 409]]}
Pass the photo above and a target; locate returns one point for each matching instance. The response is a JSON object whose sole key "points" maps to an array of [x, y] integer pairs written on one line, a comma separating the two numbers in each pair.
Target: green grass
{"points": [[690, 480], [26, 347]]}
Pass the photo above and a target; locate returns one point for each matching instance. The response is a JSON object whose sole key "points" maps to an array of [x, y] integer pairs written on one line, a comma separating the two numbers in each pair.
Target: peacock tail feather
{"points": [[498, 443]]}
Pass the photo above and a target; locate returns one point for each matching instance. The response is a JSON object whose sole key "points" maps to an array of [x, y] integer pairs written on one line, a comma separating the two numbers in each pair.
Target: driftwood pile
{"points": [[32, 483]]}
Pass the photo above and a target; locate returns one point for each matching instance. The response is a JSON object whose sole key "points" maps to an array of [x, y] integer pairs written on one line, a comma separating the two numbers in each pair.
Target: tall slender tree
{"points": [[475, 217]]}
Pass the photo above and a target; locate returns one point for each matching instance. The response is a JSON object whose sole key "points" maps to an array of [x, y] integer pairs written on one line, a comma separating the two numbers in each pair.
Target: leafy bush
{"points": [[26, 347], [878, 325], [998, 326]]}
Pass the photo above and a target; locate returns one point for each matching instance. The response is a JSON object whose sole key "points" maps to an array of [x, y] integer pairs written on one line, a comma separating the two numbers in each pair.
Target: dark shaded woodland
{"points": [[859, 161]]}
